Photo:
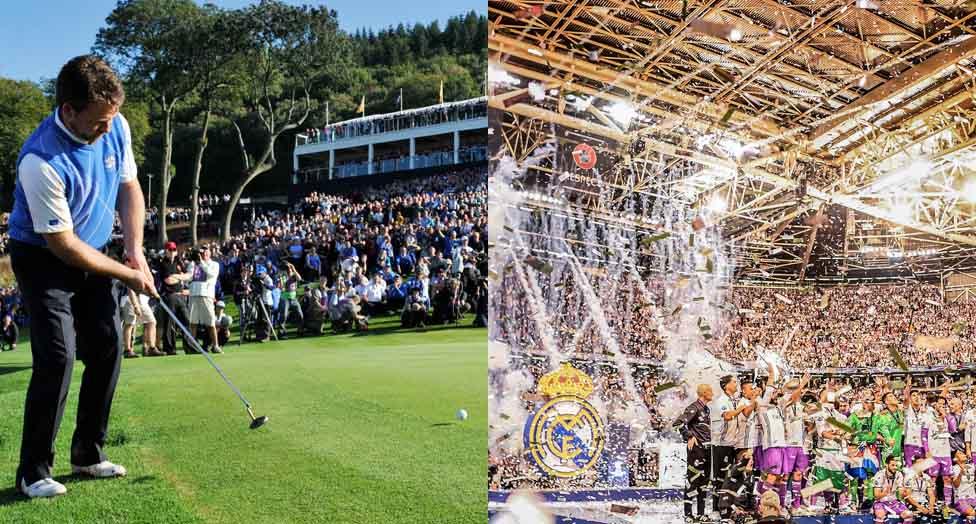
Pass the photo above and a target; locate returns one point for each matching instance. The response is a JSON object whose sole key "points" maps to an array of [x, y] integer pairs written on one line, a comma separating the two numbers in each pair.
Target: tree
{"points": [[22, 107], [152, 41], [216, 43], [287, 47]]}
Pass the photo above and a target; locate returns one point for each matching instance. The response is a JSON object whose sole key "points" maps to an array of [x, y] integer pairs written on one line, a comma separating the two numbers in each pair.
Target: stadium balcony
{"points": [[445, 134]]}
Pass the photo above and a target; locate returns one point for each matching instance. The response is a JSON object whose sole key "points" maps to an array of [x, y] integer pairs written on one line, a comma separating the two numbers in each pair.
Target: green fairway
{"points": [[362, 430]]}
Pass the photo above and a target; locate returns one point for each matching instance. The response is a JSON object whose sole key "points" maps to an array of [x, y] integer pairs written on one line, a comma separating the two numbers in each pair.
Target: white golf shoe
{"points": [[104, 469], [42, 488]]}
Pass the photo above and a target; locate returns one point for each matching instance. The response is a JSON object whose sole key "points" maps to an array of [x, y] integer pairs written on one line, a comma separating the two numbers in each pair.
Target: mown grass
{"points": [[361, 430]]}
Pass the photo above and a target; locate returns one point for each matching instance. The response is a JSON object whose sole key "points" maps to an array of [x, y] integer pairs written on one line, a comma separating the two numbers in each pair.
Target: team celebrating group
{"points": [[888, 449]]}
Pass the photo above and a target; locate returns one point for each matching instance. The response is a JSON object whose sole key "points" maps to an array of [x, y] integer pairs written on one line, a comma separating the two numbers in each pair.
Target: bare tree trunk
{"points": [[197, 167], [165, 176], [236, 196]]}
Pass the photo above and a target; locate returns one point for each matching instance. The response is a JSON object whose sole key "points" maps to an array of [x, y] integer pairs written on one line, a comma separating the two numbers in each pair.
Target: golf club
{"points": [[256, 422]]}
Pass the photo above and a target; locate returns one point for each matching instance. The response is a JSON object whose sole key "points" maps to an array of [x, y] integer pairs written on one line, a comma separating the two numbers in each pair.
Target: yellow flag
{"points": [[362, 106], [440, 97]]}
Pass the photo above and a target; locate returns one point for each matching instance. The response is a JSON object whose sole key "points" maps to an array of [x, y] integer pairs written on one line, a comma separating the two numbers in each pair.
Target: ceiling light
{"points": [[717, 204], [622, 112]]}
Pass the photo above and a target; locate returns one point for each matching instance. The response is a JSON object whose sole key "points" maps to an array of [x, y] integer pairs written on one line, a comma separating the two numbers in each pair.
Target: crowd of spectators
{"points": [[414, 248], [835, 327]]}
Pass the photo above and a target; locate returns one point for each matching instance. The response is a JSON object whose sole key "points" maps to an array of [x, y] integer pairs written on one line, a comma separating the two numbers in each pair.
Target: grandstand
{"points": [[766, 192], [392, 144]]}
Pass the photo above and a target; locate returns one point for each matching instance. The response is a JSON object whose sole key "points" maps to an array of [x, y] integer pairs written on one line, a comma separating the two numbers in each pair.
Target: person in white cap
{"points": [[223, 322]]}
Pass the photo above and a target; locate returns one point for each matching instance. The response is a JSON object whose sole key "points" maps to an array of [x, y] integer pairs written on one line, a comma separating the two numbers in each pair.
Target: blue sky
{"points": [[37, 37]]}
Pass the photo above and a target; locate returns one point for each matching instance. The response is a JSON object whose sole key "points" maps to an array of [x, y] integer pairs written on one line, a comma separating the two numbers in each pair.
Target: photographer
{"points": [[172, 273], [203, 273], [264, 286]]}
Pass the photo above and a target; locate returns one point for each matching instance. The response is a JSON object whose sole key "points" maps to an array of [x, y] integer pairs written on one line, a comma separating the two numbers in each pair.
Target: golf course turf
{"points": [[361, 430]]}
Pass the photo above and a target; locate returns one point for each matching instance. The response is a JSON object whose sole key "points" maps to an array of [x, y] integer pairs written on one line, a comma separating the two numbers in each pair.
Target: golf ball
{"points": [[462, 414]]}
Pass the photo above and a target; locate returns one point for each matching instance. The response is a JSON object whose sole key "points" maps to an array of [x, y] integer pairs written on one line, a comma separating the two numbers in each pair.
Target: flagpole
{"points": [[326, 113], [401, 99]]}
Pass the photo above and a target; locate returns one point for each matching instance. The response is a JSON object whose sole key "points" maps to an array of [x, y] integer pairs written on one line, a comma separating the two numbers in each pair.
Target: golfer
{"points": [[73, 173]]}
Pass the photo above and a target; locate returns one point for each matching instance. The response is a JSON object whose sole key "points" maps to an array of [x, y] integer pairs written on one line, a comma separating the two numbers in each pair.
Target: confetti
{"points": [[922, 465], [666, 386], [648, 240], [840, 425], [624, 510], [538, 264], [782, 298], [819, 487], [896, 356]]}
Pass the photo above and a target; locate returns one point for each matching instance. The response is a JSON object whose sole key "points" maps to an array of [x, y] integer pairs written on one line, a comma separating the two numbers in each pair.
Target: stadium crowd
{"points": [[413, 248], [832, 327]]}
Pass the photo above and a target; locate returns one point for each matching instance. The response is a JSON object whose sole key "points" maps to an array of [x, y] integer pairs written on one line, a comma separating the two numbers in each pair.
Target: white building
{"points": [[439, 135]]}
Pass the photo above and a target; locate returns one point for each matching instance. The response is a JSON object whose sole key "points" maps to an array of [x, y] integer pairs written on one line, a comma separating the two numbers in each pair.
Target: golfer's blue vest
{"points": [[91, 175]]}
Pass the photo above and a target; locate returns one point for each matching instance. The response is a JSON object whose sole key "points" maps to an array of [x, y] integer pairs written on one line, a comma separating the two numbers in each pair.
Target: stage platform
{"points": [[656, 506]]}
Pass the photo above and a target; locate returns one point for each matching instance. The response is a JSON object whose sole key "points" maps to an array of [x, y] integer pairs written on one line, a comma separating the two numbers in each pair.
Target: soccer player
{"points": [[919, 494], [940, 436], [776, 458], [832, 450], [888, 425], [723, 413], [889, 483], [795, 457], [917, 421], [964, 482], [865, 462]]}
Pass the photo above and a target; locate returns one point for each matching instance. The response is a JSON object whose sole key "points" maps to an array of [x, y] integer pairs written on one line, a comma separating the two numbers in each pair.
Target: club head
{"points": [[258, 422]]}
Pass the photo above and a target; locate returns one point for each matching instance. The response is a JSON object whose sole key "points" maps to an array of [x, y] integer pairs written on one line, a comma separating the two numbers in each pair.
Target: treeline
{"points": [[215, 96], [467, 34]]}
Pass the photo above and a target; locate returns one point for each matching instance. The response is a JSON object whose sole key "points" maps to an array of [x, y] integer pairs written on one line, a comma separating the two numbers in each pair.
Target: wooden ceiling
{"points": [[782, 109]]}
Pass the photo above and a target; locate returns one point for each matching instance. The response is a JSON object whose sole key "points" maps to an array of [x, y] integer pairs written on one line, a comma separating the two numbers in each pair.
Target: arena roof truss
{"points": [[827, 130]]}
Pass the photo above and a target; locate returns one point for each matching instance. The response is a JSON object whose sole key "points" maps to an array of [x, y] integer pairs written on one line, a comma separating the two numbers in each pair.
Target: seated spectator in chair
{"points": [[414, 310], [223, 323], [8, 334], [396, 294], [375, 296], [314, 312]]}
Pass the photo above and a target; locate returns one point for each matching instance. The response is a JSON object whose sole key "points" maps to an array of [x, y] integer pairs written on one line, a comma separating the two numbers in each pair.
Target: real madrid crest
{"points": [[565, 436]]}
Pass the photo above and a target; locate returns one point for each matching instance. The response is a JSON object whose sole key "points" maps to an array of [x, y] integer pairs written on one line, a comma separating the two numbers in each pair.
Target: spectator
{"points": [[203, 278], [375, 296], [223, 323], [8, 334], [414, 310], [289, 298], [136, 310]]}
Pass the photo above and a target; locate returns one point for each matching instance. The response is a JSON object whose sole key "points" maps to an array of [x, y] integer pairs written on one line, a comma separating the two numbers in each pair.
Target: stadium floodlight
{"points": [[913, 172], [622, 112], [969, 190], [498, 75], [717, 203]]}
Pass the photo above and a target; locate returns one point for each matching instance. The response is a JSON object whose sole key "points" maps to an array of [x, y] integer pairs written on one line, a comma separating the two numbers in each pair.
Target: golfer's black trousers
{"points": [[71, 313]]}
